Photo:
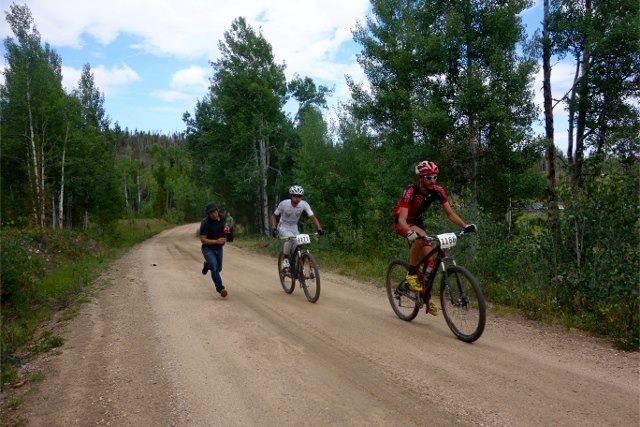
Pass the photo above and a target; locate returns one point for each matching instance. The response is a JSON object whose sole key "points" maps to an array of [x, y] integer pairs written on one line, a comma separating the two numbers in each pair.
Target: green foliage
{"points": [[600, 252], [447, 84], [21, 267], [239, 127], [602, 39]]}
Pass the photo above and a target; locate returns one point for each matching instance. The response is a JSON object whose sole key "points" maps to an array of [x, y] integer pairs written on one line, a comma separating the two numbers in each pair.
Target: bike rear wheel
{"points": [[286, 278], [309, 277], [405, 303], [463, 304]]}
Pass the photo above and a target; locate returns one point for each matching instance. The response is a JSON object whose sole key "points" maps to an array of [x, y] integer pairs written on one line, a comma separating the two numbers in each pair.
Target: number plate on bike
{"points": [[303, 239], [447, 240]]}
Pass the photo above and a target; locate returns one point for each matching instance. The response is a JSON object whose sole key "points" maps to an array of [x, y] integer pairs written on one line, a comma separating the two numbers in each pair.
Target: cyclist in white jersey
{"points": [[289, 211]]}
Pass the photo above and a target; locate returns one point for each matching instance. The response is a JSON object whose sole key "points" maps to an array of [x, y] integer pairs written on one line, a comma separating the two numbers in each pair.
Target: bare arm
{"points": [[448, 210], [402, 219], [315, 222]]}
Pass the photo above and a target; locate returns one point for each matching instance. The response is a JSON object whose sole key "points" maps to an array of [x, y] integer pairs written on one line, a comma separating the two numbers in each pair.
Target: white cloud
{"points": [[171, 95], [70, 77], [306, 34], [108, 80], [186, 85], [192, 78]]}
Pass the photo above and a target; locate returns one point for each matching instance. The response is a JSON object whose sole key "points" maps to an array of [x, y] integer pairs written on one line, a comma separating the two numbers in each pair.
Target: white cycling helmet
{"points": [[296, 190]]}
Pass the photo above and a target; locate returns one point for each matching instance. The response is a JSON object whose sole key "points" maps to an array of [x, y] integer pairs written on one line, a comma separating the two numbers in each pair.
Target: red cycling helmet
{"points": [[426, 167]]}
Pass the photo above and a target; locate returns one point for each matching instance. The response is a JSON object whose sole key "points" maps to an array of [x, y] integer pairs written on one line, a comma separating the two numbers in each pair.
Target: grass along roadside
{"points": [[47, 273]]}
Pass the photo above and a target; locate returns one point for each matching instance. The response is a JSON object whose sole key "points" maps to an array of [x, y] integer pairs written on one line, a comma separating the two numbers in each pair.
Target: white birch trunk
{"points": [[35, 187], [126, 192], [42, 178], [61, 201], [139, 190], [54, 223]]}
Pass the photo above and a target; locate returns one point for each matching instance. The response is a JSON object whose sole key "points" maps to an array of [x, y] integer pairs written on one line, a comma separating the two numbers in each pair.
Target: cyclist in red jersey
{"points": [[408, 221]]}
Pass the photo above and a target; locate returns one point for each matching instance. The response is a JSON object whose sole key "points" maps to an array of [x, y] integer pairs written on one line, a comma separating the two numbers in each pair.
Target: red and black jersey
{"points": [[417, 202]]}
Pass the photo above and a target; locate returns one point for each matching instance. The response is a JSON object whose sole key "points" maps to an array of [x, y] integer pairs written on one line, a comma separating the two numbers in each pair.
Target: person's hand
{"points": [[412, 235], [275, 232], [226, 230], [471, 228], [320, 232]]}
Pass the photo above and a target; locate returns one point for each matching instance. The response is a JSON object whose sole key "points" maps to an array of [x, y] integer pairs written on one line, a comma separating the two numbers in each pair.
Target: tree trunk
{"points": [[85, 221], [263, 165], [139, 190], [61, 201], [583, 102], [126, 193], [54, 222], [572, 116], [42, 179], [550, 154], [474, 145], [37, 201]]}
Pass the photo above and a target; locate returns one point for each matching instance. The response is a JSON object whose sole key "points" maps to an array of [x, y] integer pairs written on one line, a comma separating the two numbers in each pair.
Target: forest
{"points": [[448, 81]]}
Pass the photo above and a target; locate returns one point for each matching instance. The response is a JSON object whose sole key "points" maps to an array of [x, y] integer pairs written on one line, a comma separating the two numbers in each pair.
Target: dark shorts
{"points": [[400, 232], [398, 229]]}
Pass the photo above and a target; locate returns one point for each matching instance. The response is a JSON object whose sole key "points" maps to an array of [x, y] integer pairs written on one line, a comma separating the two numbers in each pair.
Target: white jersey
{"points": [[290, 215]]}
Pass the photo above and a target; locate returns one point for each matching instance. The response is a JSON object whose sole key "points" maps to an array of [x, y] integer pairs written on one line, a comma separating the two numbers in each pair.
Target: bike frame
{"points": [[441, 259], [300, 250], [297, 255]]}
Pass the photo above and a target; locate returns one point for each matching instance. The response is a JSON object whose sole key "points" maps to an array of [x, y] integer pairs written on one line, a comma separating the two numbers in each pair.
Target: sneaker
{"points": [[205, 269], [285, 264], [412, 280], [432, 309], [223, 293]]}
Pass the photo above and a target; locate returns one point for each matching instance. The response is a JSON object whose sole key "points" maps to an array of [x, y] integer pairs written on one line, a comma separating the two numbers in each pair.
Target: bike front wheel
{"points": [[287, 281], [463, 304], [309, 277], [405, 303]]}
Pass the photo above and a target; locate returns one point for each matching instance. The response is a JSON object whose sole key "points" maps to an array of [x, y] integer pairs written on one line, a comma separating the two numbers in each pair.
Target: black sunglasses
{"points": [[430, 178]]}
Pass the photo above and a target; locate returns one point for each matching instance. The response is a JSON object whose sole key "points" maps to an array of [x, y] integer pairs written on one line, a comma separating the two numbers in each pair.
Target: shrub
{"points": [[21, 267]]}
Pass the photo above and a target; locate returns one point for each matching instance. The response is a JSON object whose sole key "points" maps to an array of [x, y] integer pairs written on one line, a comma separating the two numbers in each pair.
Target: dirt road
{"points": [[158, 347]]}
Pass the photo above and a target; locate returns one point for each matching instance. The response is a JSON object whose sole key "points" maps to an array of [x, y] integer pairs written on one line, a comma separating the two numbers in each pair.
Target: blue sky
{"points": [[150, 58]]}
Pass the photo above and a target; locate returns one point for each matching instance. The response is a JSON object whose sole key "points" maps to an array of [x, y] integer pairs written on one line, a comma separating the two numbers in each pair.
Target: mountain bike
{"points": [[461, 298], [302, 267]]}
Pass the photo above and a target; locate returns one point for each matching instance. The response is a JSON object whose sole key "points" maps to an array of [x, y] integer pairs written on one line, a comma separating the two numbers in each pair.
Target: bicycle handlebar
{"points": [[458, 234], [293, 237]]}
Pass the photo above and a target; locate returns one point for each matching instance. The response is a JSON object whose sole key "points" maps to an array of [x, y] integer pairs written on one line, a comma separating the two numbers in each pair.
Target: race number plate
{"points": [[303, 239], [447, 240]]}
